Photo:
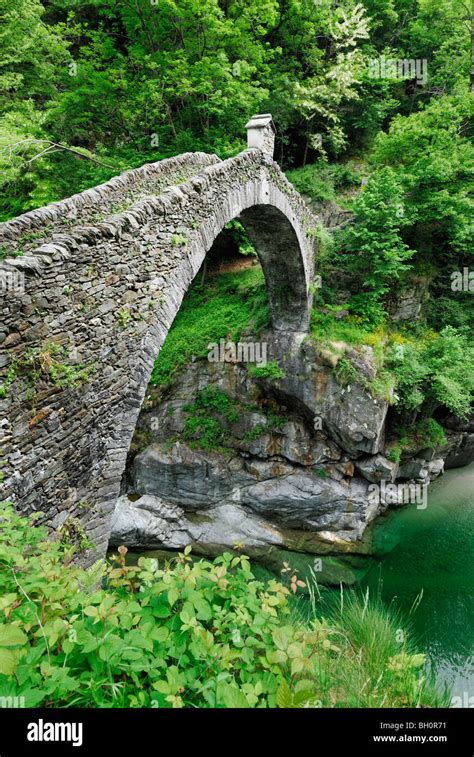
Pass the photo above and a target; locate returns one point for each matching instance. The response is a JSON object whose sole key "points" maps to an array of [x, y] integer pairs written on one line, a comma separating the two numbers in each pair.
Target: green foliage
{"points": [[179, 240], [322, 180], [426, 432], [222, 308], [430, 432], [435, 371], [45, 363], [377, 255], [123, 84], [345, 371], [201, 425], [269, 371], [326, 326], [123, 317], [383, 665], [433, 156], [182, 634], [394, 453], [313, 180], [72, 534], [211, 414], [456, 311], [240, 238]]}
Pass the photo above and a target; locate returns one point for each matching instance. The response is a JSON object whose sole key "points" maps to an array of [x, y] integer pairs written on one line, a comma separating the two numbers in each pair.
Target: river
{"points": [[432, 554]]}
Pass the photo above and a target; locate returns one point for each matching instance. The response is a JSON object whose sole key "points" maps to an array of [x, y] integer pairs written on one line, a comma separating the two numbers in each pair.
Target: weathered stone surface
{"points": [[435, 468], [308, 501], [377, 468], [407, 306], [278, 490], [416, 469], [422, 468], [353, 417], [461, 452], [182, 476], [150, 522]]}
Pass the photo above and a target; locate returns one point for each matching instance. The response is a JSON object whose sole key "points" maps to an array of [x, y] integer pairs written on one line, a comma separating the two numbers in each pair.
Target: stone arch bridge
{"points": [[89, 287]]}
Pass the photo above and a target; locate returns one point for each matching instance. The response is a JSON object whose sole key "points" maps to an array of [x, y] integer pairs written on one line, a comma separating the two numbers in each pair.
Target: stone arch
{"points": [[282, 248], [145, 256]]}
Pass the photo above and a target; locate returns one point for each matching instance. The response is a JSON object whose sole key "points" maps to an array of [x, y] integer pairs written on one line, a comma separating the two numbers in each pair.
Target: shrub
{"points": [[269, 371], [430, 432], [435, 370], [185, 634]]}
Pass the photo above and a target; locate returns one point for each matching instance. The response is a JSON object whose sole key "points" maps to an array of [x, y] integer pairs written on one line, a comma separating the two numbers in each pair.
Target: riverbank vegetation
{"points": [[187, 633]]}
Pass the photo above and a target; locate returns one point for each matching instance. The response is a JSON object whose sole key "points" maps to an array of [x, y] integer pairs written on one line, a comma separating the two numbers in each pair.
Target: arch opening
{"points": [[278, 249], [285, 256]]}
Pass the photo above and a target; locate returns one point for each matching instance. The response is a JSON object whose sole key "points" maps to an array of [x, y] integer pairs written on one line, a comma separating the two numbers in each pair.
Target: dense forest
{"points": [[92, 88], [125, 82], [373, 103]]}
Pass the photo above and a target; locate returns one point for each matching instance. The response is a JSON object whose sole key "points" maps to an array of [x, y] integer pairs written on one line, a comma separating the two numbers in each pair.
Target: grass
{"points": [[326, 327], [269, 371], [222, 308], [373, 661]]}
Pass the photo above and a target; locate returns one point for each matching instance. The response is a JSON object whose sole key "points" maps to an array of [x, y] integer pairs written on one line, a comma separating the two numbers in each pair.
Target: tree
{"points": [[377, 254], [433, 156]]}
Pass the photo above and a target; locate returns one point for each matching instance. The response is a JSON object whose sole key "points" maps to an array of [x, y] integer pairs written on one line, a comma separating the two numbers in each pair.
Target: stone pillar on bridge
{"points": [[261, 133]]}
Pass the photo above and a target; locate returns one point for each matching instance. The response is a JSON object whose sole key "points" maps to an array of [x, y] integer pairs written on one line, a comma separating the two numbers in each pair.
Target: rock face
{"points": [[299, 470], [151, 523], [377, 468], [353, 418], [280, 492]]}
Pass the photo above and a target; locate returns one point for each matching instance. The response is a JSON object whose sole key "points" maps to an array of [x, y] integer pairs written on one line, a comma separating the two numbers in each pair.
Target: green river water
{"points": [[428, 552], [432, 554]]}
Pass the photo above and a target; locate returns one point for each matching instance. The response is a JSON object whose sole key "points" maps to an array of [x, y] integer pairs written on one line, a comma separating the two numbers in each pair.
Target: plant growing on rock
{"points": [[205, 422], [345, 371], [270, 371], [45, 363]]}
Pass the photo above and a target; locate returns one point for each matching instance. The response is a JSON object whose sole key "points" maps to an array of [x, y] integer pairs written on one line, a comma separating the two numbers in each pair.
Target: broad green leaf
{"points": [[8, 661], [284, 696], [11, 636]]}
